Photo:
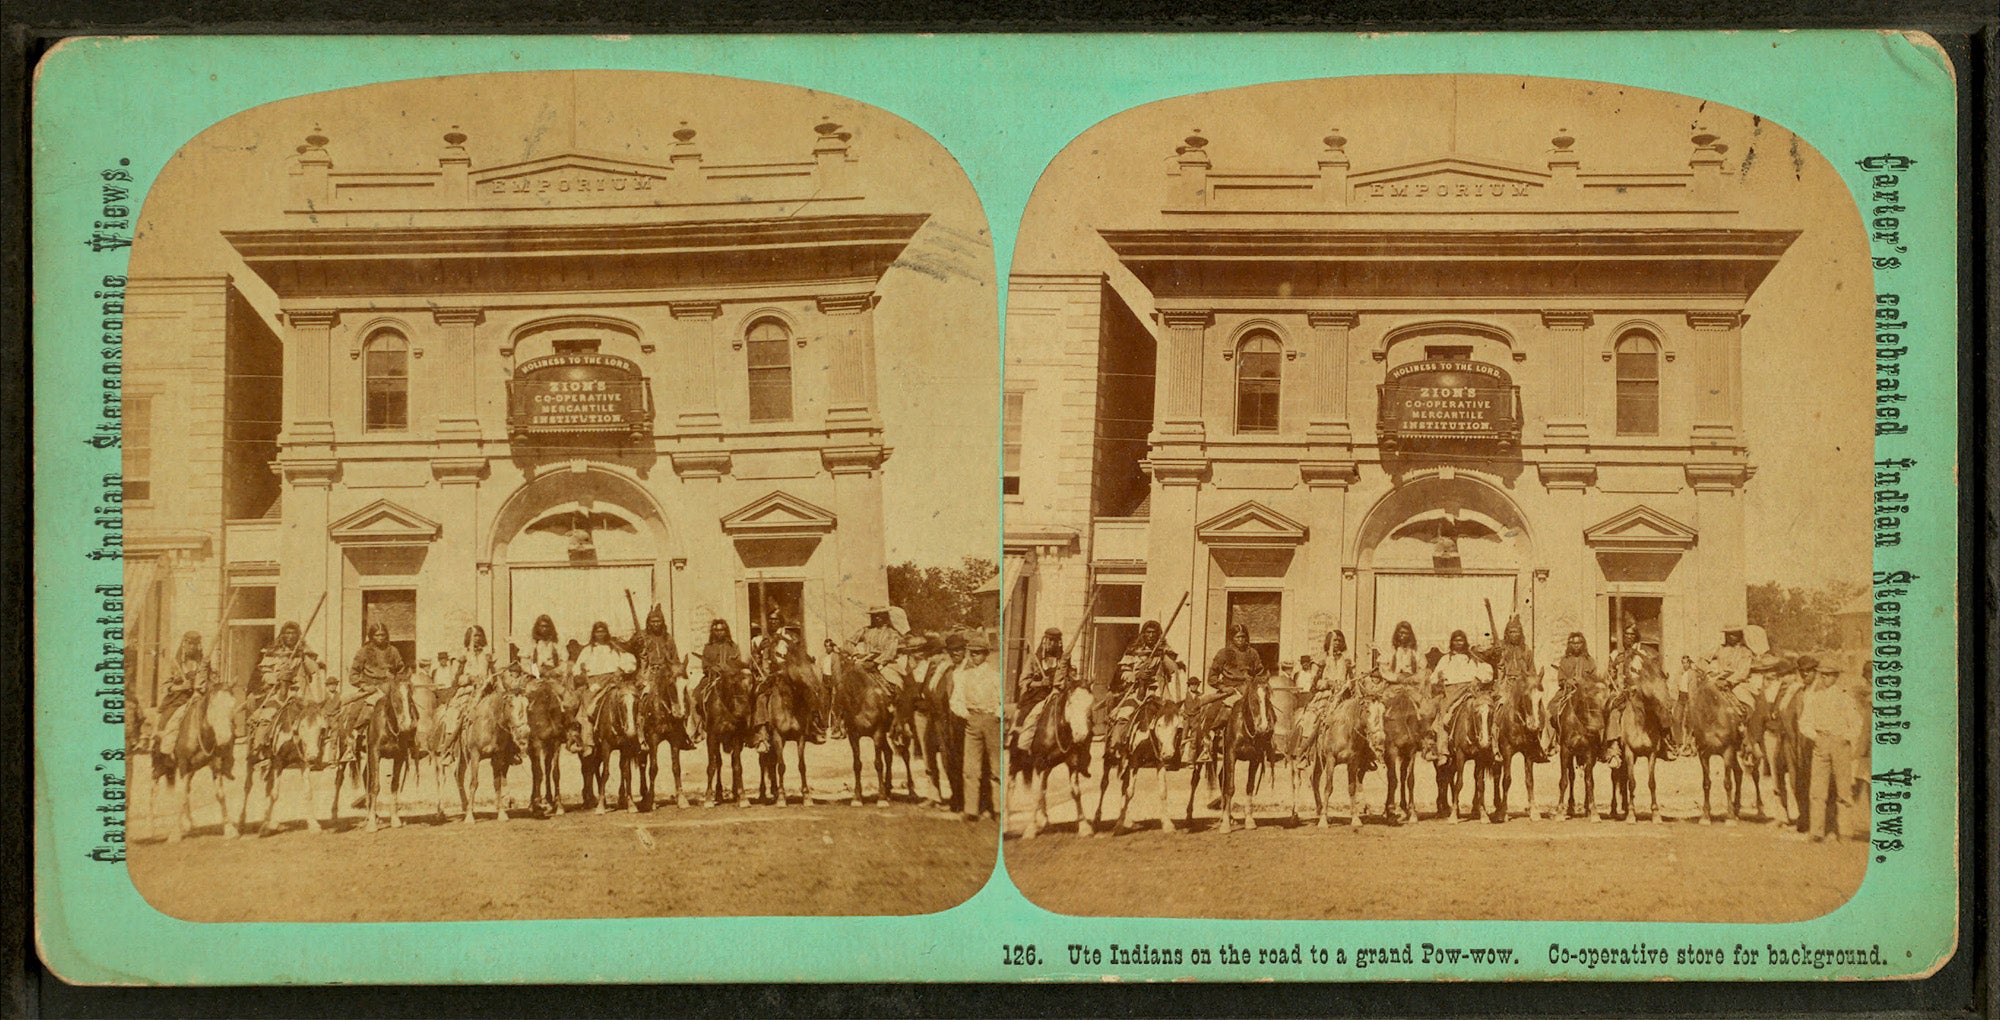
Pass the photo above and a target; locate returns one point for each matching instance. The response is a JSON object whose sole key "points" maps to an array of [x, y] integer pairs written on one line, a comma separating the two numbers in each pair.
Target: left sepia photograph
{"points": [[611, 455]]}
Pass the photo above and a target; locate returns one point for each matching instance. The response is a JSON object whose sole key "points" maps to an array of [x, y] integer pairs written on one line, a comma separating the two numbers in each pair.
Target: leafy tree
{"points": [[1799, 619], [940, 598]]}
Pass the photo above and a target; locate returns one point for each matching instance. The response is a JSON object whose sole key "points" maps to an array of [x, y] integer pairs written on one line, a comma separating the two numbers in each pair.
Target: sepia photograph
{"points": [[1439, 497], [561, 495]]}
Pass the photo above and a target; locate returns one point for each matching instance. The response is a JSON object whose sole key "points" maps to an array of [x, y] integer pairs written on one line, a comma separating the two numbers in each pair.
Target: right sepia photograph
{"points": [[1439, 497]]}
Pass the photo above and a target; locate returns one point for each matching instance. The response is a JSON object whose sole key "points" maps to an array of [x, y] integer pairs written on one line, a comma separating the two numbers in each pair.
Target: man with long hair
{"points": [[188, 672], [601, 663]]}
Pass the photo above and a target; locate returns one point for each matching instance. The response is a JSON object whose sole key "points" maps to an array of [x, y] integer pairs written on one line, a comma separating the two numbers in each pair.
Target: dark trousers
{"points": [[954, 760]]}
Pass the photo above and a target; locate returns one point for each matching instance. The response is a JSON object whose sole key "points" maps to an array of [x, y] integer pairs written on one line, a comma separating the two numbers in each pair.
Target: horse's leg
{"points": [[1732, 784], [499, 765], [1652, 786], [1354, 795], [272, 775], [465, 793], [854, 747], [398, 768], [1702, 759], [1037, 782]]}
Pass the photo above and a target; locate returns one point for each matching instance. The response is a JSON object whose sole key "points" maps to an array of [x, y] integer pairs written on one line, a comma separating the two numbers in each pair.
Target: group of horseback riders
{"points": [[1634, 676]]}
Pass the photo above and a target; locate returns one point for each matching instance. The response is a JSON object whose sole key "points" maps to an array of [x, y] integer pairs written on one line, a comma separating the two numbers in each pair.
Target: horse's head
{"points": [[1374, 716], [1483, 728]]}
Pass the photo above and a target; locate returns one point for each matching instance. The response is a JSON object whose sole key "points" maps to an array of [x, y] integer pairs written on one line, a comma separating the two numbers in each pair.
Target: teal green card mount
{"points": [[1877, 108]]}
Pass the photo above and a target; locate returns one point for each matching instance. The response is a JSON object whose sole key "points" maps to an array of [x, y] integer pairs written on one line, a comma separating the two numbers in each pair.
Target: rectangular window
{"points": [[395, 608], [388, 371], [770, 379], [138, 444], [1638, 393], [253, 611], [1010, 443], [1257, 391]]}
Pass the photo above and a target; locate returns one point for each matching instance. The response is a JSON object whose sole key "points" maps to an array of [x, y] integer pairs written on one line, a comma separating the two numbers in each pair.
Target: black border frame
{"points": [[1969, 31]]}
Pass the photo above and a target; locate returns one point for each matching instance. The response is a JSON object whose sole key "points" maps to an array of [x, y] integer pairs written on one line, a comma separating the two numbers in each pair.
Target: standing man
{"points": [[944, 685], [1828, 719], [975, 700]]}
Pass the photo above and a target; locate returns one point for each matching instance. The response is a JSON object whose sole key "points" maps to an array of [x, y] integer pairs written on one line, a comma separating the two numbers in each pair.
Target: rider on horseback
{"points": [[1334, 673], [784, 657], [282, 669], [377, 667], [473, 677], [1047, 671], [1235, 670], [1514, 669], [1142, 670], [1575, 670], [601, 663], [1636, 674], [721, 662], [189, 672], [1729, 667], [1458, 676], [660, 663]]}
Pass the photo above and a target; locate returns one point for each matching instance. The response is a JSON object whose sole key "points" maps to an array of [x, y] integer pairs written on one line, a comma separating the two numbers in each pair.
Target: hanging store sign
{"points": [[565, 394], [1449, 402]]}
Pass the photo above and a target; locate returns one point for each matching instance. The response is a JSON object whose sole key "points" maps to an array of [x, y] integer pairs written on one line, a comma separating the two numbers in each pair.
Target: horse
{"points": [[205, 737], [1151, 738], [1715, 721], [725, 713], [1246, 736], [1772, 741], [914, 732], [1351, 734], [1580, 733], [1294, 737], [1062, 735], [621, 730], [1472, 738], [1518, 729], [664, 718], [781, 712], [428, 745], [388, 730], [551, 713], [1407, 717], [487, 732], [866, 710], [298, 736], [1639, 729]]}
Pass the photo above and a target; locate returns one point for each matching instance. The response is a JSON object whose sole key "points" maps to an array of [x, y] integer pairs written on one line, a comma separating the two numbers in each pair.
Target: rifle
{"points": [[1492, 629], [1171, 620], [1088, 605], [633, 609], [221, 628]]}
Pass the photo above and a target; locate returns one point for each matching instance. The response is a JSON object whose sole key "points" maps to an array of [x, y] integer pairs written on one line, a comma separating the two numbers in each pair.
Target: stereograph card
{"points": [[1024, 508]]}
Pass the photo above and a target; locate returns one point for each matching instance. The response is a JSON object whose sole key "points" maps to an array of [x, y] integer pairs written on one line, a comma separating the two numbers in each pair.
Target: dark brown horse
{"points": [[866, 711], [781, 711], [1638, 725], [1472, 738], [914, 733], [1246, 737], [1351, 734], [551, 713], [1407, 717], [1580, 725], [725, 712], [385, 725], [1715, 722], [1518, 729], [1062, 736]]}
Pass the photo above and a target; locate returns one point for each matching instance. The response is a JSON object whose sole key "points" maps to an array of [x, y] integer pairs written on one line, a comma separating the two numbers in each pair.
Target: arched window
{"points": [[1258, 358], [386, 365], [769, 345], [1638, 385]]}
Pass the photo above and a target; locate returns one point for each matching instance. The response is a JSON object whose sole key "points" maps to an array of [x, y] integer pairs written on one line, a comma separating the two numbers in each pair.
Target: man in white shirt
{"points": [[1828, 718], [600, 664], [975, 698], [1457, 675]]}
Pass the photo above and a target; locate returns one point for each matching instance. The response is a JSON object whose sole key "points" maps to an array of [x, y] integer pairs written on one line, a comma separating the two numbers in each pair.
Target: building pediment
{"points": [[1640, 529], [383, 523], [577, 174], [1449, 175], [778, 515], [1251, 523]]}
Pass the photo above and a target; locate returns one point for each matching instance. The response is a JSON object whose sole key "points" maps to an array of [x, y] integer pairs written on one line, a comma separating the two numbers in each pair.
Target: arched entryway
{"points": [[571, 544], [1437, 551]]}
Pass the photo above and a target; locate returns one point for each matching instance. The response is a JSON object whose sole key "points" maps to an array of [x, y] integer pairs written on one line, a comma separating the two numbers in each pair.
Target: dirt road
{"points": [[1527, 869], [822, 857]]}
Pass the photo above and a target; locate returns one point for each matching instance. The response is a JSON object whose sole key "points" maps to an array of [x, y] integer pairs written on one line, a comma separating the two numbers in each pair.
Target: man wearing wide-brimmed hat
{"points": [[1829, 720], [975, 699]]}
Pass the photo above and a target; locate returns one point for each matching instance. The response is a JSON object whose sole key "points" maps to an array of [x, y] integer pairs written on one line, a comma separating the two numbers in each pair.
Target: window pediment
{"points": [[383, 523], [1251, 523], [1640, 529], [778, 515]]}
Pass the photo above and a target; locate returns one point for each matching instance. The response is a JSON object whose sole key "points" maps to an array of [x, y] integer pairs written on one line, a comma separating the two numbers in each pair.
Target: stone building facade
{"points": [[503, 389], [1428, 392]]}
